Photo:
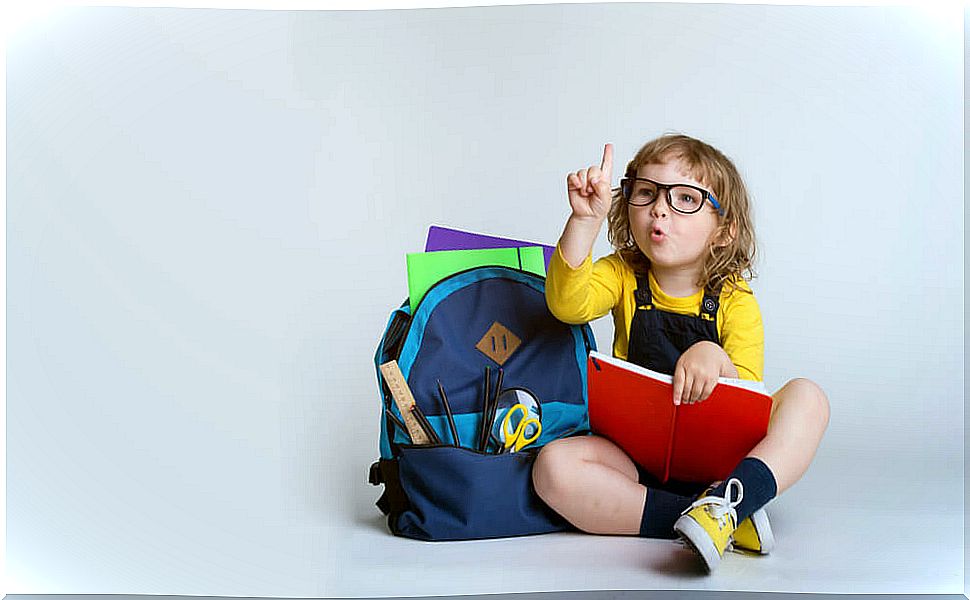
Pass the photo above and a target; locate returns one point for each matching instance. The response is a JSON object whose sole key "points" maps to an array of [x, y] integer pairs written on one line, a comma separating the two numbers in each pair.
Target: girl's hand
{"points": [[697, 370], [589, 189]]}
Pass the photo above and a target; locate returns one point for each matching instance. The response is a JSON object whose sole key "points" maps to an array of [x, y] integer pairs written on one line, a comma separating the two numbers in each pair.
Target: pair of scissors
{"points": [[518, 439]]}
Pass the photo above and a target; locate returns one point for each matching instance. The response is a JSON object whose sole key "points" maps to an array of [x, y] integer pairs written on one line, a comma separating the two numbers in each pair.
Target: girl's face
{"points": [[672, 240]]}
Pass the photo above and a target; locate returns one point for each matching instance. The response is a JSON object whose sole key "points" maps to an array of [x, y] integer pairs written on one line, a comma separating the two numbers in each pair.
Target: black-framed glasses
{"points": [[682, 197]]}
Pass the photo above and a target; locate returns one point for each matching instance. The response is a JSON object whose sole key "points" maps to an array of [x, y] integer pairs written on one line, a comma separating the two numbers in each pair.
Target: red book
{"points": [[703, 442]]}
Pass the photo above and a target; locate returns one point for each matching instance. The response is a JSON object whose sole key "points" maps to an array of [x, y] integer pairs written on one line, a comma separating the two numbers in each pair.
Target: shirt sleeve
{"points": [[585, 293], [742, 335]]}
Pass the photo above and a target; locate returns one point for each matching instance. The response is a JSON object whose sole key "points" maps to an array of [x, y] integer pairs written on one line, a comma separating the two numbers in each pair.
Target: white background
{"points": [[207, 216]]}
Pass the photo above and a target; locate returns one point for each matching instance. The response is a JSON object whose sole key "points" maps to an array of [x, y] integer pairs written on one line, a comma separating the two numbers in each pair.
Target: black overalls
{"points": [[657, 339]]}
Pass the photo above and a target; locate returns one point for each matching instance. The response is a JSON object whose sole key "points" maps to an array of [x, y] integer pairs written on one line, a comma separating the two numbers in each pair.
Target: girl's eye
{"points": [[688, 199]]}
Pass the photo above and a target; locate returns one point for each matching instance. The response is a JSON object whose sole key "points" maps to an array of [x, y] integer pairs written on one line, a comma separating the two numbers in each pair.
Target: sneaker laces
{"points": [[720, 507]]}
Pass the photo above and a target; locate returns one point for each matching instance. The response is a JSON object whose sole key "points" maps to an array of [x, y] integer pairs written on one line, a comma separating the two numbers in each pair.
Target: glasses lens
{"points": [[682, 198], [686, 199], [641, 193]]}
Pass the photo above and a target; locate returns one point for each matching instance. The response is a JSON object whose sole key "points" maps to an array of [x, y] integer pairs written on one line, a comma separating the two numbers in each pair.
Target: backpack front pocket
{"points": [[456, 493]]}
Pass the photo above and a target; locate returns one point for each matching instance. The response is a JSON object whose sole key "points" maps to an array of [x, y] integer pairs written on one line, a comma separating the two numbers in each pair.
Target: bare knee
{"points": [[551, 467], [562, 467], [808, 391]]}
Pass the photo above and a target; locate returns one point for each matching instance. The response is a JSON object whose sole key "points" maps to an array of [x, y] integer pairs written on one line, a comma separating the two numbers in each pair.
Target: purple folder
{"points": [[446, 238]]}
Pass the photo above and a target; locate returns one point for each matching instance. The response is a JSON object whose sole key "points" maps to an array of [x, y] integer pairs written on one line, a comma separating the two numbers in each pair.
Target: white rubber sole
{"points": [[695, 536], [761, 525]]}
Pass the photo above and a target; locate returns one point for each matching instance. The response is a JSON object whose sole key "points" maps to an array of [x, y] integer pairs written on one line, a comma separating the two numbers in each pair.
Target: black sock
{"points": [[660, 511], [758, 486]]}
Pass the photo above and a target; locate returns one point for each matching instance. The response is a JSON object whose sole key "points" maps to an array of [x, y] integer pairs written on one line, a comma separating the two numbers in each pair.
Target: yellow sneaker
{"points": [[707, 524], [754, 534]]}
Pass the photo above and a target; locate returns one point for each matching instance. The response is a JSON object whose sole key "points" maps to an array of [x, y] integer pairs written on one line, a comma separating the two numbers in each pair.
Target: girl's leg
{"points": [[799, 417], [592, 484]]}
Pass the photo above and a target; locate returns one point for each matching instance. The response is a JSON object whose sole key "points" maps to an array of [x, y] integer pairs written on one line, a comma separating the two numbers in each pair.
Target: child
{"points": [[682, 231]]}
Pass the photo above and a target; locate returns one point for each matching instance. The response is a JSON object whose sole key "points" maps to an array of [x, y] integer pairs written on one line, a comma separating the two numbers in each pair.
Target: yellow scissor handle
{"points": [[518, 437]]}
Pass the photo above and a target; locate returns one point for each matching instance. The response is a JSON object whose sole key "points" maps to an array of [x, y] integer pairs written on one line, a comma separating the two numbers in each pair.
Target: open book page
{"points": [[754, 386]]}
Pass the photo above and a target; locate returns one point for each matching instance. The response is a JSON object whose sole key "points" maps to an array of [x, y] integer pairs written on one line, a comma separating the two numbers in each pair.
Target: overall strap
{"points": [[642, 295], [710, 304]]}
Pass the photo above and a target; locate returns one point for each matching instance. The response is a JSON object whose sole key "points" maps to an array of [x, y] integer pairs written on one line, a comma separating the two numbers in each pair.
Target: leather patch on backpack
{"points": [[498, 343]]}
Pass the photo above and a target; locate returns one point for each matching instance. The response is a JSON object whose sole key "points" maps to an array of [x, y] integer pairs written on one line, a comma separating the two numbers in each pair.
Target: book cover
{"points": [[448, 238], [428, 268], [703, 442]]}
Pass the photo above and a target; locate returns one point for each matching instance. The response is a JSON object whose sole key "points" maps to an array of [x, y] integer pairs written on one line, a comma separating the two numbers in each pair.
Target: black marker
{"points": [[494, 408], [451, 419], [425, 424], [482, 436], [399, 423]]}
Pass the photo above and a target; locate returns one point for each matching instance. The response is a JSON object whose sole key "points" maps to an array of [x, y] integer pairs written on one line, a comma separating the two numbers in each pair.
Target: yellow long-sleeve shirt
{"points": [[590, 291]]}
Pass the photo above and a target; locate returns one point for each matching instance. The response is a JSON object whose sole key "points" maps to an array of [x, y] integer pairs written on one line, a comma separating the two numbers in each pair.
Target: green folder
{"points": [[428, 268]]}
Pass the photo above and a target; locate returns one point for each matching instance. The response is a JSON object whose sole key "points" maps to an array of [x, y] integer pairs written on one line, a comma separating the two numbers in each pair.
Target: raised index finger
{"points": [[607, 165]]}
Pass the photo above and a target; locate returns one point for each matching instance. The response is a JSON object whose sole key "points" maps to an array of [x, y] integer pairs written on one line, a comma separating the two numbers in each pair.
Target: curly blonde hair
{"points": [[725, 264]]}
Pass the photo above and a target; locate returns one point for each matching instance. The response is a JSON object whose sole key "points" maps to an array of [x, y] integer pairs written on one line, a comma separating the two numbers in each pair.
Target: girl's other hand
{"points": [[697, 370], [590, 196]]}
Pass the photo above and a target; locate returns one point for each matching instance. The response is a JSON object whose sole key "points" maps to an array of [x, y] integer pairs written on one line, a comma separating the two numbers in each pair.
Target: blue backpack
{"points": [[484, 317]]}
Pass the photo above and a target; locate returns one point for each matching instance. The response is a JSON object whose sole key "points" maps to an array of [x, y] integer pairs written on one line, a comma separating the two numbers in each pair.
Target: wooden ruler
{"points": [[404, 400]]}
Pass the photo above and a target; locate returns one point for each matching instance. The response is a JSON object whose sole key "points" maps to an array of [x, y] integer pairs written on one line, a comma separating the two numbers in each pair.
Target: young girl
{"points": [[681, 227]]}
